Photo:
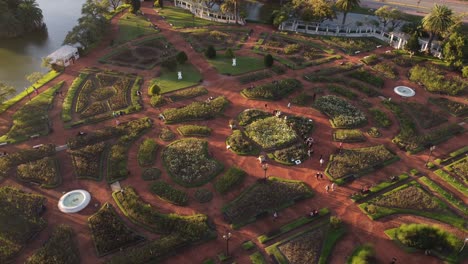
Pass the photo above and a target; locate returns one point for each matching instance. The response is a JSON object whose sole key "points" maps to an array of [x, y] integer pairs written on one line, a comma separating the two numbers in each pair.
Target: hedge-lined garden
{"points": [[43, 171], [88, 161], [168, 193], [263, 198], [232, 177], [196, 111], [342, 113], [188, 162], [435, 80], [147, 152], [272, 91], [194, 131], [240, 144], [271, 132]]}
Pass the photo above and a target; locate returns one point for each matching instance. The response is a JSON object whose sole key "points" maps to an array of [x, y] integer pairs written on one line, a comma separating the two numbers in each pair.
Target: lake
{"points": [[21, 56]]}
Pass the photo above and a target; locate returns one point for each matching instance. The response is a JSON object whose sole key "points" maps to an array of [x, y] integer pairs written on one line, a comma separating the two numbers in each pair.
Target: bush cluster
{"points": [[380, 118], [147, 152], [435, 81], [233, 176], [367, 77], [272, 91], [194, 130], [196, 111], [168, 193], [240, 145], [424, 237]]}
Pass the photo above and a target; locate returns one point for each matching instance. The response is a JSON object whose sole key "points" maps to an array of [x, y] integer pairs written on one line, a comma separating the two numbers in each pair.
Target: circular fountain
{"points": [[74, 201], [404, 91]]}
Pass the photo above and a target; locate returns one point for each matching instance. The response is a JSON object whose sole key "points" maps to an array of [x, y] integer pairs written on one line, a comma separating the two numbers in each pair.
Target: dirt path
{"points": [[360, 228]]}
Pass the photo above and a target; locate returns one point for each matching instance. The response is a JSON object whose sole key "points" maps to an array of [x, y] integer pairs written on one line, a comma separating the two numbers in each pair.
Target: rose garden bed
{"points": [[147, 152], [168, 193], [188, 163], [144, 54], [341, 112], [109, 232], [367, 77], [95, 95], [436, 81], [358, 162], [194, 131], [88, 161], [425, 117], [272, 91], [410, 198], [44, 171], [20, 220], [271, 132], [196, 111], [11, 161], [240, 144], [220, 38], [454, 108], [348, 135], [61, 247], [232, 177], [264, 198]]}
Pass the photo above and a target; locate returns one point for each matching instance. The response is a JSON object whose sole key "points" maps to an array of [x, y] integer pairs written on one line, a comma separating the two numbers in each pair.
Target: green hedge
{"points": [[453, 200], [436, 81], [348, 135], [194, 130], [68, 101], [196, 111], [147, 152], [233, 176], [367, 77], [168, 193]]}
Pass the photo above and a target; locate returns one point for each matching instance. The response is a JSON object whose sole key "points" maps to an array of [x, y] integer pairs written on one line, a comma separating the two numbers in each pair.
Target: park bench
{"points": [[34, 136], [38, 146]]}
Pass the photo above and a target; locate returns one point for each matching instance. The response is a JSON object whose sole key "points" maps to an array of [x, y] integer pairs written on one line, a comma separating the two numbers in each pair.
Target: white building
{"points": [[214, 14], [64, 56]]}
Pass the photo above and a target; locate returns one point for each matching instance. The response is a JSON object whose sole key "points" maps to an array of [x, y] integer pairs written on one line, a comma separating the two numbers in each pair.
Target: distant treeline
{"points": [[18, 17]]}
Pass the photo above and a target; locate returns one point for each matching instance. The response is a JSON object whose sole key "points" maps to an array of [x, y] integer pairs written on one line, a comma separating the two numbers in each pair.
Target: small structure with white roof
{"points": [[64, 56]]}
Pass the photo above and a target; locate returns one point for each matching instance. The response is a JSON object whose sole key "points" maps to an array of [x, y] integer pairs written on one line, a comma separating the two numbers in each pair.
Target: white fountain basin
{"points": [[404, 91], [74, 201]]}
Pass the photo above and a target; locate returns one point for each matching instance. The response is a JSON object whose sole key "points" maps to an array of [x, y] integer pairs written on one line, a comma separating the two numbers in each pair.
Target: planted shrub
{"points": [[240, 145], [380, 118], [273, 91], [342, 91], [181, 57], [268, 60], [43, 171], [290, 154], [196, 111], [435, 81], [151, 174], [302, 99], [87, 161], [387, 70], [233, 176], [158, 100], [166, 134], [147, 152], [364, 254], [348, 135], [187, 93], [342, 113], [168, 193], [249, 115], [454, 108], [229, 53], [210, 52], [154, 89], [271, 132], [367, 77]]}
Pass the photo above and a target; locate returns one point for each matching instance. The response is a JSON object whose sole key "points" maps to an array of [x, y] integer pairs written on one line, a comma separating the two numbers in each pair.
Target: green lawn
{"points": [[168, 81], [133, 26], [181, 18], [244, 64]]}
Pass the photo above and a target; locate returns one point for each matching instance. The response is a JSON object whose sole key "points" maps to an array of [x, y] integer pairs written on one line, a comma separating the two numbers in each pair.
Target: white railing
{"points": [[204, 12]]}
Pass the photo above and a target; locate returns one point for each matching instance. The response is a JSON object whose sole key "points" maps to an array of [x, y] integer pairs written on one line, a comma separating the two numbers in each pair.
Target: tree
{"points": [[136, 4], [387, 14], [115, 3], [268, 60], [413, 43], [345, 6], [281, 15], [440, 19], [181, 57], [314, 10], [454, 50], [229, 53], [210, 52], [34, 77], [6, 91], [230, 6], [30, 14]]}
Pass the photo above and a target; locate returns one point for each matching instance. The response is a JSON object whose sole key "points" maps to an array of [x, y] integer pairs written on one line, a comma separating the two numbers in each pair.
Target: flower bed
{"points": [[362, 254], [302, 99], [194, 130], [441, 243], [386, 69], [261, 75], [454, 108], [435, 81], [367, 77], [289, 155], [342, 91], [147, 152], [188, 163], [187, 93], [109, 232], [43, 171], [61, 247], [196, 111], [151, 174], [448, 196], [203, 195], [167, 193], [425, 117], [20, 220], [342, 113], [24, 156], [272, 91], [88, 161], [219, 38], [232, 177], [358, 161], [263, 198], [193, 227], [410, 198], [302, 125], [32, 118], [351, 45], [271, 132], [249, 115], [240, 145], [459, 169], [348, 135], [379, 187], [380, 118]]}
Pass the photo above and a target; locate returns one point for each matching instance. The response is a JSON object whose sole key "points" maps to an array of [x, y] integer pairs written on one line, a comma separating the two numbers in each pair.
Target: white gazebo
{"points": [[64, 56]]}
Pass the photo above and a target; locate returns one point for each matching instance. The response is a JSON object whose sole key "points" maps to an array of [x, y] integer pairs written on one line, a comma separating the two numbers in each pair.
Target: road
{"points": [[420, 7]]}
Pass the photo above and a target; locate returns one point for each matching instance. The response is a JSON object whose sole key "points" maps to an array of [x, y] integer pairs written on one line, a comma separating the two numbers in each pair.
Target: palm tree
{"points": [[346, 6], [30, 14], [439, 20], [230, 6]]}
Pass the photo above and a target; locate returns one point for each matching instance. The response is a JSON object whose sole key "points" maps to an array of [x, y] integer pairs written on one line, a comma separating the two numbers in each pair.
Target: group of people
{"points": [[332, 187], [314, 212], [117, 113], [309, 141]]}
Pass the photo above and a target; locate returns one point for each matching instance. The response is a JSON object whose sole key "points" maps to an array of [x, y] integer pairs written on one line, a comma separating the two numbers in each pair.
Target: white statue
{"points": [[234, 61], [179, 75]]}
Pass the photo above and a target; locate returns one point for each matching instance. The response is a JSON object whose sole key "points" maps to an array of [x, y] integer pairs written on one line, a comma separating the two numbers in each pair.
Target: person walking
{"points": [[321, 175], [275, 215], [327, 188], [393, 260], [317, 175], [321, 162], [333, 187], [289, 105]]}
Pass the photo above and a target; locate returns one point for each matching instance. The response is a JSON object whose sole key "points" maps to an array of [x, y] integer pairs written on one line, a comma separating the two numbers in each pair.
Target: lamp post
{"points": [[432, 148], [464, 243], [265, 168], [227, 237]]}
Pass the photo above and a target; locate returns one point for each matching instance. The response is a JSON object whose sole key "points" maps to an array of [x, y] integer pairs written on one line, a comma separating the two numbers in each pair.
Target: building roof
{"points": [[63, 52]]}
